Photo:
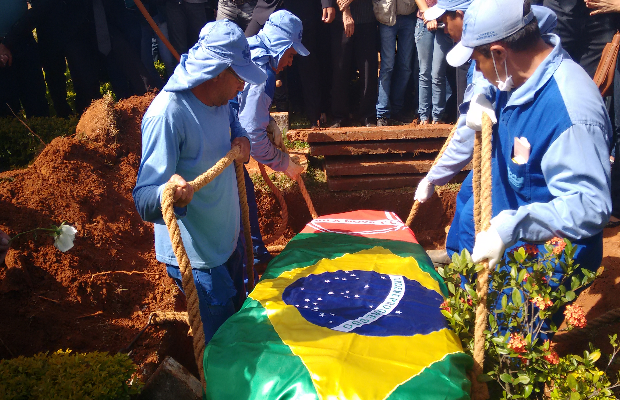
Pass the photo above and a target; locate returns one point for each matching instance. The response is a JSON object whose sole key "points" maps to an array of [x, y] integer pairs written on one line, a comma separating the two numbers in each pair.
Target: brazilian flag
{"points": [[349, 310]]}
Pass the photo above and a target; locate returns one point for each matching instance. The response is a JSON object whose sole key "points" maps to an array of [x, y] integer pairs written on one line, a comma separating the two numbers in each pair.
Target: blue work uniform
{"points": [[253, 105], [460, 150], [563, 190]]}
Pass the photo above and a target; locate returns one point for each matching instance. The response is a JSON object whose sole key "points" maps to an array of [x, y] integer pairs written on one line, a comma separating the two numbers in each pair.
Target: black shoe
{"points": [[382, 121], [402, 118], [337, 123], [368, 122]]}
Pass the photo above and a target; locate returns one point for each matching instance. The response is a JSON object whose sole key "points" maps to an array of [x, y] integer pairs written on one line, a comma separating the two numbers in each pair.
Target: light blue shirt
{"points": [[254, 104], [181, 135]]}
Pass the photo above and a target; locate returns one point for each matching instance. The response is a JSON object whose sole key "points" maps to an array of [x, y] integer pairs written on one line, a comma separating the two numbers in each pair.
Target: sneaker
{"points": [[368, 122], [613, 222], [337, 123], [382, 121]]}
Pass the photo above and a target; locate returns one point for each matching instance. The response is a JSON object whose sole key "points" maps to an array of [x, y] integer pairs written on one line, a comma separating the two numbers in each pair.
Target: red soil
{"points": [[98, 295]]}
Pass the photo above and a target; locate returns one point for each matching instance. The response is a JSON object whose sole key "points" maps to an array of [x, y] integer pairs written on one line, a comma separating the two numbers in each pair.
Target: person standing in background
{"points": [[355, 38], [433, 44], [397, 22]]}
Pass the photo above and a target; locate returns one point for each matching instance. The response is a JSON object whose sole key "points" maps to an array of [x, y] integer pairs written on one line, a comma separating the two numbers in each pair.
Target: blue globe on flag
{"points": [[367, 303]]}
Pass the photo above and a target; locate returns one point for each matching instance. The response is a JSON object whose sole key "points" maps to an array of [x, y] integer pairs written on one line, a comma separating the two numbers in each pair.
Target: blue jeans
{"points": [[261, 254], [220, 290], [432, 49], [392, 92]]}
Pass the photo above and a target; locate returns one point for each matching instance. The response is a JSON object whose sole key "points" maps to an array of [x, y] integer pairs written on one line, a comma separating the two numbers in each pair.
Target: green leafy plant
{"points": [[525, 293], [19, 146], [65, 375]]}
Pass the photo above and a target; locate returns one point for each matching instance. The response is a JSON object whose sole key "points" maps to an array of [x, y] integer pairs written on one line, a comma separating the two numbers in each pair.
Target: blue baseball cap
{"points": [[487, 21], [442, 6], [284, 30], [221, 44]]}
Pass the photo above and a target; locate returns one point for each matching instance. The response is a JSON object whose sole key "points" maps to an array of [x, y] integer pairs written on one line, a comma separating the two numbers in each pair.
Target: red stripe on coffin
{"points": [[367, 223]]}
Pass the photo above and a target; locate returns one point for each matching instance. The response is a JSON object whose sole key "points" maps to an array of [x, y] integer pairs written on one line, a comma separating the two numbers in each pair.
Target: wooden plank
{"points": [[382, 147], [374, 166], [373, 182], [350, 134]]}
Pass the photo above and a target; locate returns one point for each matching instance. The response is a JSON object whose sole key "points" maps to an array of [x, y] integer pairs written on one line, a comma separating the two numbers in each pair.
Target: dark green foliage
{"points": [[18, 146], [68, 376]]}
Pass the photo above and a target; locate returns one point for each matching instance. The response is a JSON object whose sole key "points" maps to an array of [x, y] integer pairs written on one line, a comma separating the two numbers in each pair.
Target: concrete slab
{"points": [[171, 381], [371, 182], [370, 133], [281, 119], [383, 147], [375, 166]]}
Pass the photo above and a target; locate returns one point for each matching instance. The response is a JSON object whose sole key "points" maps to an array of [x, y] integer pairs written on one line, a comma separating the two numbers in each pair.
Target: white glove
{"points": [[424, 191], [276, 133], [488, 246], [479, 104], [293, 170]]}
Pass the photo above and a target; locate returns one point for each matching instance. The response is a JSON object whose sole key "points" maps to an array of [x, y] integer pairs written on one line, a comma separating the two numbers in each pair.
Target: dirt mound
{"points": [[99, 294]]}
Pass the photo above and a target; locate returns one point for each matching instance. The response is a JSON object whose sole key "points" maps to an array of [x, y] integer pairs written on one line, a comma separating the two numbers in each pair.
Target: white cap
{"points": [[487, 21], [442, 6]]}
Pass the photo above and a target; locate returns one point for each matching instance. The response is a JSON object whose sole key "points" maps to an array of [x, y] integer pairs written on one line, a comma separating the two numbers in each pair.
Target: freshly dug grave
{"points": [[98, 295]]}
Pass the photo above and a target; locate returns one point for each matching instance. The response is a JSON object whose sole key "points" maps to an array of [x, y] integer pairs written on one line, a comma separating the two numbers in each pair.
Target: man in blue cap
{"points": [[188, 128], [272, 49], [550, 167], [460, 149]]}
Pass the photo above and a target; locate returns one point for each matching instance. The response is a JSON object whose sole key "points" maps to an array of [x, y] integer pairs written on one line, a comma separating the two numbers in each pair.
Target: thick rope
{"points": [[283, 208], [247, 233], [167, 206], [306, 196], [416, 204], [161, 317], [482, 200]]}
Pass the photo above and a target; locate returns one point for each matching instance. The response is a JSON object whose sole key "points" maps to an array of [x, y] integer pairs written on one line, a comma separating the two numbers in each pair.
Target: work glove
{"points": [[488, 246], [479, 104], [293, 170], [424, 191], [274, 133]]}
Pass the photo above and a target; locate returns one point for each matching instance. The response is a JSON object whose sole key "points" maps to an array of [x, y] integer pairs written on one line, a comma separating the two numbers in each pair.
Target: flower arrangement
{"points": [[528, 289]]}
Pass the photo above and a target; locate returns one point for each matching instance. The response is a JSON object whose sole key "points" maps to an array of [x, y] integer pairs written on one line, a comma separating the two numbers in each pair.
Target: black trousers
{"points": [[185, 20], [583, 36], [361, 47], [23, 83]]}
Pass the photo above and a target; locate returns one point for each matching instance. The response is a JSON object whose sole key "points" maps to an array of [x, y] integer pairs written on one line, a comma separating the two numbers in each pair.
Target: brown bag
{"points": [[604, 75]]}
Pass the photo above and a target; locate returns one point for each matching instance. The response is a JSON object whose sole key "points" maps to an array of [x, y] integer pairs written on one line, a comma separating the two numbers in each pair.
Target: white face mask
{"points": [[507, 85]]}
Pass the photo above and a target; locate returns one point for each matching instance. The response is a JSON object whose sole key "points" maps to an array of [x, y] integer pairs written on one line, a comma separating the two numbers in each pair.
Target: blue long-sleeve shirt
{"points": [[460, 149], [254, 104], [181, 135]]}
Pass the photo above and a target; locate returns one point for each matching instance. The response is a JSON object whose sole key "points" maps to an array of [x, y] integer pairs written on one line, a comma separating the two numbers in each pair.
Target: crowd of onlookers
{"points": [[372, 62], [343, 78]]}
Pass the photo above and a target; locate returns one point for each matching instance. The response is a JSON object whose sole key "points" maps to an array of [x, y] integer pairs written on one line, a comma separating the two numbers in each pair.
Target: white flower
{"points": [[64, 237]]}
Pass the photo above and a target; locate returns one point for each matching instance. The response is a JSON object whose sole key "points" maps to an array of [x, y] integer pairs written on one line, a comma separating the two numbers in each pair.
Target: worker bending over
{"points": [[188, 128], [561, 186], [460, 149], [272, 49]]}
